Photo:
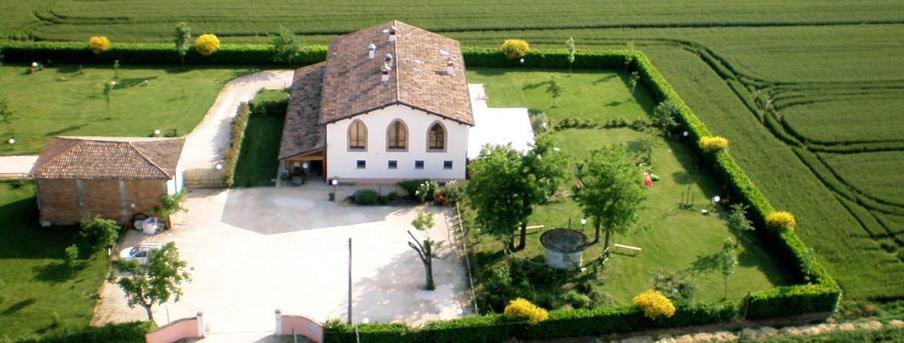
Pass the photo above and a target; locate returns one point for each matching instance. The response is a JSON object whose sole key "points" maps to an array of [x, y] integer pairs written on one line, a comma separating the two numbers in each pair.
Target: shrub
{"points": [[654, 305], [440, 198], [411, 186], [102, 232], [98, 44], [713, 143], [521, 309], [577, 300], [366, 197], [514, 49], [121, 332], [239, 124], [71, 255], [269, 103], [207, 44], [783, 220], [455, 190], [426, 190]]}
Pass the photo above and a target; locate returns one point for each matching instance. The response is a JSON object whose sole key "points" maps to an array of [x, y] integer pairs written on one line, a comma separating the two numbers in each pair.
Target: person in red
{"points": [[647, 180]]}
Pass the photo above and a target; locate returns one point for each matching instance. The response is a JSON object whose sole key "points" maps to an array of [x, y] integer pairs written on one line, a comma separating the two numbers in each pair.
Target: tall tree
{"points": [[505, 185], [182, 40], [155, 283], [728, 259], [425, 249], [169, 206], [738, 222], [610, 191], [569, 45], [284, 46]]}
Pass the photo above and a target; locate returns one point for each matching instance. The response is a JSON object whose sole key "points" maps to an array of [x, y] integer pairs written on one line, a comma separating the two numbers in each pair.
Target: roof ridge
{"points": [[398, 61], [40, 164], [148, 159]]}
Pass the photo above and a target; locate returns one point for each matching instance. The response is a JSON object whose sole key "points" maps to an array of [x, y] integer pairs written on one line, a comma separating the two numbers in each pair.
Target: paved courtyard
{"points": [[256, 250]]}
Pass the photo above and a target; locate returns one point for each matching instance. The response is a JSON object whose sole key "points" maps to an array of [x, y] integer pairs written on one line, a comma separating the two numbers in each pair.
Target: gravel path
{"points": [[206, 145]]}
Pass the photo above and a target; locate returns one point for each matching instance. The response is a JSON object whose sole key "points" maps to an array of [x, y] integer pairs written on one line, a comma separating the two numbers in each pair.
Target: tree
{"points": [[738, 222], [654, 304], [610, 191], [169, 206], [522, 309], [631, 55], [712, 144], [6, 115], [425, 248], [781, 220], [98, 44], [71, 255], [664, 116], [181, 39], [505, 185], [108, 92], [116, 70], [635, 77], [102, 232], [569, 45], [514, 49], [727, 262], [155, 283], [207, 44], [284, 46]]}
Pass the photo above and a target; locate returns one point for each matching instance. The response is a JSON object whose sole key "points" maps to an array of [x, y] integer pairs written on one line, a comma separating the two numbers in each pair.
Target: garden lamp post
{"points": [[334, 183]]}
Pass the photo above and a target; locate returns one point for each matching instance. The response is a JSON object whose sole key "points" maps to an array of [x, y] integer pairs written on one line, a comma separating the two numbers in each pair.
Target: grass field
{"points": [[61, 101], [37, 287], [258, 164], [677, 240]]}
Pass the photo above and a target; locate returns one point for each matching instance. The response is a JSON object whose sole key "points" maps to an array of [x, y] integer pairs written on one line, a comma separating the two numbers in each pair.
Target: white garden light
{"points": [[12, 141], [219, 166], [716, 199], [157, 132]]}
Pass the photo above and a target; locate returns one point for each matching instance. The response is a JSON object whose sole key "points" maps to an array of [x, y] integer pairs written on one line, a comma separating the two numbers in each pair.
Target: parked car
{"points": [[139, 252]]}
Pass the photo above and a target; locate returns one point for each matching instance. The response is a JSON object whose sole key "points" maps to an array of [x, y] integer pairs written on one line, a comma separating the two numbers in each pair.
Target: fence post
{"points": [[200, 319], [278, 322]]}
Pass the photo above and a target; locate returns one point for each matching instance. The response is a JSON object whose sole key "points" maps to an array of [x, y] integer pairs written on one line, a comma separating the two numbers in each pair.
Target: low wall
{"points": [[192, 327], [287, 325]]}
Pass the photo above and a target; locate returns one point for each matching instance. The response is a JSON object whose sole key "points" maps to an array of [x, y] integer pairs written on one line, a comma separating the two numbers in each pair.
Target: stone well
{"points": [[564, 248]]}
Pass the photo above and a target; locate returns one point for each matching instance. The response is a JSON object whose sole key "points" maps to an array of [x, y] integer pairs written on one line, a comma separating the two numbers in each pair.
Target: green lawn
{"points": [[61, 101], [676, 240], [258, 164], [36, 285]]}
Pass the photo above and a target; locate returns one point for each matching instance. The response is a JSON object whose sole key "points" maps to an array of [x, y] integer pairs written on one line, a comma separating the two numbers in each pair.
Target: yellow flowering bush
{"points": [[514, 48], [713, 143], [781, 220], [521, 309], [654, 304], [207, 44], [98, 44]]}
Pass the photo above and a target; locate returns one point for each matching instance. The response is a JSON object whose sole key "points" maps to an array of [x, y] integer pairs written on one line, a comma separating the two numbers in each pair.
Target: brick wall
{"points": [[59, 199]]}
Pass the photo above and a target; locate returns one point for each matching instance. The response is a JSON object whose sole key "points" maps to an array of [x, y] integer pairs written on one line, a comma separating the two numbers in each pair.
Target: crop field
{"points": [[808, 92]]}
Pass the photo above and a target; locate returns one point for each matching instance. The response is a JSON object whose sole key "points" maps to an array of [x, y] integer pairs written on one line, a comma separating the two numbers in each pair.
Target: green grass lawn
{"points": [[675, 240], [61, 101], [36, 285], [257, 164]]}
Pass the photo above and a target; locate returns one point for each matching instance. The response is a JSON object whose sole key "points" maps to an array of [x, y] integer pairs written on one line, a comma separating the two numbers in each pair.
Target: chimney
{"points": [[385, 77], [387, 60], [371, 51], [450, 67], [392, 34]]}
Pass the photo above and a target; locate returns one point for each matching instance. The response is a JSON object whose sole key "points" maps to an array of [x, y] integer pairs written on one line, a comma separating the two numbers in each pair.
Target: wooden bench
{"points": [[628, 247]]}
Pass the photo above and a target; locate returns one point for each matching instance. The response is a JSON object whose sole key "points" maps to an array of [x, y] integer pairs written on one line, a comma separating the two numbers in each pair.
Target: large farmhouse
{"points": [[390, 103]]}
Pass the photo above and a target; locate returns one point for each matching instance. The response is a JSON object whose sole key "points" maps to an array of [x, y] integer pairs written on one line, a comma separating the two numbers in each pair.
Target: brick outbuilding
{"points": [[112, 177]]}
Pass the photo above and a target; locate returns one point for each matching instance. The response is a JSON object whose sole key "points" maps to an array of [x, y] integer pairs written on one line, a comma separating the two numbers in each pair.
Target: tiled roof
{"points": [[352, 83], [99, 158], [302, 132]]}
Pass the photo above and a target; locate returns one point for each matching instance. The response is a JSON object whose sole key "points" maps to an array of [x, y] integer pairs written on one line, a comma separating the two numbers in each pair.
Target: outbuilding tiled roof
{"points": [[302, 131], [352, 83], [102, 158]]}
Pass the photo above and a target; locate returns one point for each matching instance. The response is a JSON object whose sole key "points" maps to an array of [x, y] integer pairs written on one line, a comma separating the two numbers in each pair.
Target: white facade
{"points": [[175, 184], [342, 162]]}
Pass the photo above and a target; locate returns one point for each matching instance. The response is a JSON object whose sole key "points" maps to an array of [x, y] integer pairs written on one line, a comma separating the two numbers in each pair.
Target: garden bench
{"points": [[628, 247]]}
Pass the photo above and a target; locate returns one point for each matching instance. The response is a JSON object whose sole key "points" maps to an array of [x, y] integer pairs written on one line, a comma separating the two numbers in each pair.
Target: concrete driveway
{"points": [[256, 250]]}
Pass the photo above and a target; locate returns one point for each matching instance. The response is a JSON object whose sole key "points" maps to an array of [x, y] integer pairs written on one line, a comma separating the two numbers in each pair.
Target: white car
{"points": [[138, 253]]}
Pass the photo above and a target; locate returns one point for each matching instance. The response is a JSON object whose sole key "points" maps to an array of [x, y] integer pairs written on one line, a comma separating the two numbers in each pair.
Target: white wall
{"points": [[175, 184], [341, 163]]}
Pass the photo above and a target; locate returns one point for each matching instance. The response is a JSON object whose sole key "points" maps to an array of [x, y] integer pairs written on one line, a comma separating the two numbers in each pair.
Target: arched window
{"points": [[436, 137], [357, 136], [397, 136]]}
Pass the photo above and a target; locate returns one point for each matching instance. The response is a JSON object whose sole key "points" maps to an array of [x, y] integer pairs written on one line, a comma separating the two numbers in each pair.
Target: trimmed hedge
{"points": [[124, 332], [561, 323], [239, 124], [269, 103]]}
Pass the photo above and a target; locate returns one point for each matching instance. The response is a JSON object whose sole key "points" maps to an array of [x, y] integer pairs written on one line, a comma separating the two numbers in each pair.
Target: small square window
{"points": [[447, 164], [393, 164], [361, 164], [419, 164]]}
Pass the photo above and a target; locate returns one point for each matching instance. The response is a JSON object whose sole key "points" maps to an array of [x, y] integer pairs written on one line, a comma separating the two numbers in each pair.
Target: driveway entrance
{"points": [[255, 250]]}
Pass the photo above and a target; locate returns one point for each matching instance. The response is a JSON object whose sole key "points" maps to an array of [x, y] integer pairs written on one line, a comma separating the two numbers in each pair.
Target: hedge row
{"points": [[269, 103], [256, 54], [123, 332], [821, 293], [561, 323], [239, 124]]}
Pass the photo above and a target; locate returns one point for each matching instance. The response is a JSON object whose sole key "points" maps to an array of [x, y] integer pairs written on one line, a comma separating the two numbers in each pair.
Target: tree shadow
{"points": [[604, 79], [56, 272], [65, 130], [552, 87], [132, 82], [614, 103], [18, 306], [703, 264]]}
